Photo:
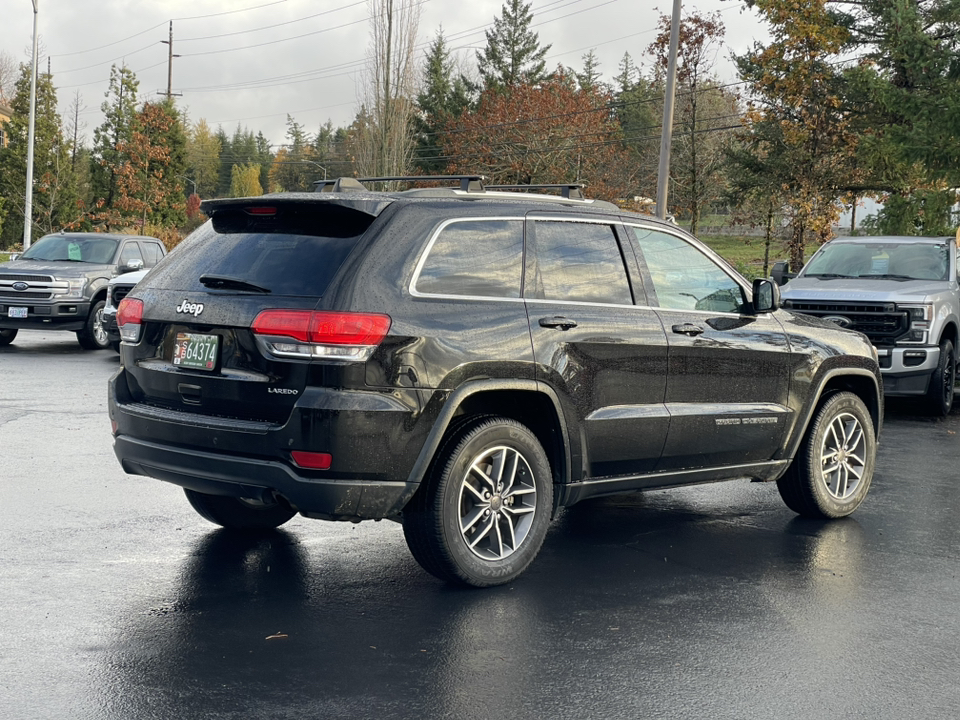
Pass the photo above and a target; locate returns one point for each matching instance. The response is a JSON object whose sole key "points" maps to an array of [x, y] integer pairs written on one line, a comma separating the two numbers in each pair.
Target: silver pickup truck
{"points": [[902, 293]]}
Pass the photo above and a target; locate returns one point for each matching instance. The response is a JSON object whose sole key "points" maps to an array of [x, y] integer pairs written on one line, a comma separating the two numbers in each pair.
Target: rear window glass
{"points": [[482, 258], [295, 256]]}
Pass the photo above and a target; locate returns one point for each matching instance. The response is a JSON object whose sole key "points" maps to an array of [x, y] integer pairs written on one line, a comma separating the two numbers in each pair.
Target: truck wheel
{"points": [[481, 514], [239, 513], [940, 393], [94, 334], [7, 335], [831, 474]]}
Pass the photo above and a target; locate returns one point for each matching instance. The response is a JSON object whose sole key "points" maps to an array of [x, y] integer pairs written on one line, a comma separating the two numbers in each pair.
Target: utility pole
{"points": [[170, 56], [28, 202], [666, 135]]}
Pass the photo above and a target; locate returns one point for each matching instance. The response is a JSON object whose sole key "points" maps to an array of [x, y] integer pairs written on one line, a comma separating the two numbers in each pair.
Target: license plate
{"points": [[17, 312], [193, 350]]}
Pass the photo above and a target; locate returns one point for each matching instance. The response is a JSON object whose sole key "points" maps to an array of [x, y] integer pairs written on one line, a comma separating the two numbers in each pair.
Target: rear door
{"points": [[728, 369], [604, 355]]}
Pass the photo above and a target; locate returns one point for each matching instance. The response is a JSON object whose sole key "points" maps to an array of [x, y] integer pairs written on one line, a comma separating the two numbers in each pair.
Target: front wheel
{"points": [[94, 334], [941, 390], [481, 515], [239, 513], [831, 474], [7, 335]]}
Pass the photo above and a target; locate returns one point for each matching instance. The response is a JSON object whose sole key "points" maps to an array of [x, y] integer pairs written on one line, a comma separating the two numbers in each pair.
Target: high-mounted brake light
{"points": [[129, 319], [306, 334], [259, 210]]}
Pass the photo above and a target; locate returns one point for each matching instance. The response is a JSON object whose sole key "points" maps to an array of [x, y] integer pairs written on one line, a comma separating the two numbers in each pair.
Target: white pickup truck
{"points": [[902, 293]]}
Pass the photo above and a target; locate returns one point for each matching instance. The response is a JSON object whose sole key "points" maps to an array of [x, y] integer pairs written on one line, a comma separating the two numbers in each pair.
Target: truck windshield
{"points": [[98, 249], [881, 261]]}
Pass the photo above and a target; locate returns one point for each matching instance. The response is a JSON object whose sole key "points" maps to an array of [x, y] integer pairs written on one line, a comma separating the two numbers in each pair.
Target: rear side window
{"points": [[482, 258], [579, 262], [130, 252], [295, 252]]}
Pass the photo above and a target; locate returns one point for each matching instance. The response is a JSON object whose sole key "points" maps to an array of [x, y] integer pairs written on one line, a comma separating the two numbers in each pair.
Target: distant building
{"points": [[5, 114]]}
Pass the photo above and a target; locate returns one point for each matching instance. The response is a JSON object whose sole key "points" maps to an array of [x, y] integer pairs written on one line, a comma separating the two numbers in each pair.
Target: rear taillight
{"points": [[129, 317], [306, 334]]}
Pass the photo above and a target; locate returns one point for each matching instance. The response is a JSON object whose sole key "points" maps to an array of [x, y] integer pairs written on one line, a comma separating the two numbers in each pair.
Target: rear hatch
{"points": [[227, 320]]}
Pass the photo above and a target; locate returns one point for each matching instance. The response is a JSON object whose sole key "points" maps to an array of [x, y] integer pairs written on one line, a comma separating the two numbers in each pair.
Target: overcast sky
{"points": [[254, 62]]}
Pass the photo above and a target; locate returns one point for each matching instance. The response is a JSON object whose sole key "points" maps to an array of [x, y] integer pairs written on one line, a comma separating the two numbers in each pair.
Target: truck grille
{"points": [[26, 278], [881, 322], [25, 295], [119, 293]]}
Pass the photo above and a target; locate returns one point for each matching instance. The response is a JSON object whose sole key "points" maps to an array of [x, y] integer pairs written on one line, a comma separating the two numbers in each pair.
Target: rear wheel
{"points": [[7, 335], [940, 393], [94, 334], [239, 513], [832, 472], [481, 515]]}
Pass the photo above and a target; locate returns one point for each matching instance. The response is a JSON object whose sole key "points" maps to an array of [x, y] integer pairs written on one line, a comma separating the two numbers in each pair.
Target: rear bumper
{"points": [[374, 440], [221, 474]]}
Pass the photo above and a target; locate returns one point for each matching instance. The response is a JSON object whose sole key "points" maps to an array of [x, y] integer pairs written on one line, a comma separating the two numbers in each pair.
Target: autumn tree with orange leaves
{"points": [[548, 133]]}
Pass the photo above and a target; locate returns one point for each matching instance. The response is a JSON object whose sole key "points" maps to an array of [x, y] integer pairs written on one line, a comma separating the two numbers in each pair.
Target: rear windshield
{"points": [[287, 258]]}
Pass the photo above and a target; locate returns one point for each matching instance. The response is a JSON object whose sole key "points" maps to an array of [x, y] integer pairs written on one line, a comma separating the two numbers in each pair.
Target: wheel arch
{"points": [[526, 401], [859, 381], [950, 332]]}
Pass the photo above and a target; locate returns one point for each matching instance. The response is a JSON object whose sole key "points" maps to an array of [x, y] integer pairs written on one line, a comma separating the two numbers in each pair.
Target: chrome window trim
{"points": [[425, 253]]}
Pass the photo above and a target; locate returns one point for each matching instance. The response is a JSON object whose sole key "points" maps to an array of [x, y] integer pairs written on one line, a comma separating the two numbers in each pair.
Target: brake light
{"points": [[307, 334], [257, 210], [129, 319]]}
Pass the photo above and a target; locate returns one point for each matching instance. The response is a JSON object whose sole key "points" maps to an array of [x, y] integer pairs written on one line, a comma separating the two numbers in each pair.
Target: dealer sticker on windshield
{"points": [[193, 350]]}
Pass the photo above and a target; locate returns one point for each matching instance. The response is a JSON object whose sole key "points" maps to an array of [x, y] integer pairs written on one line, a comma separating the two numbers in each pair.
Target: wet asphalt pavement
{"points": [[119, 602]]}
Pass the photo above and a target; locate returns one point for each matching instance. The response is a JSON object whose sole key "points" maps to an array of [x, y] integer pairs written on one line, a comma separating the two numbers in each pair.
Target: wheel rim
{"points": [[99, 332], [843, 456], [498, 502]]}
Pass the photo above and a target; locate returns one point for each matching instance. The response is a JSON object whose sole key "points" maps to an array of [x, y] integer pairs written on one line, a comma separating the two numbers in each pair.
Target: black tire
{"points": [[464, 532], [239, 513], [7, 335], [940, 394], [842, 434], [94, 334]]}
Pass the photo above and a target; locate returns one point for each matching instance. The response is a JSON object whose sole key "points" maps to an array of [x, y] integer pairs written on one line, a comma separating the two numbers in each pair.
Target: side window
{"points": [[152, 253], [131, 251], [480, 258], [684, 278], [579, 262]]}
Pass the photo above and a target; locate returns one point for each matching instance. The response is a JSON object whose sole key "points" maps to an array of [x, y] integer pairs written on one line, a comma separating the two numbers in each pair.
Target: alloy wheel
{"points": [[498, 501], [843, 456]]}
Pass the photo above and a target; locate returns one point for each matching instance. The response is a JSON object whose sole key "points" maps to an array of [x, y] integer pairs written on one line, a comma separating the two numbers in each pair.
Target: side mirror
{"points": [[132, 266], [766, 296], [781, 273], [12, 257]]}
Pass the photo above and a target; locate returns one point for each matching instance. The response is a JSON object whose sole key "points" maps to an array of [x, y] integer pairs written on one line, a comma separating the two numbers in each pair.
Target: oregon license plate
{"points": [[193, 350], [17, 312]]}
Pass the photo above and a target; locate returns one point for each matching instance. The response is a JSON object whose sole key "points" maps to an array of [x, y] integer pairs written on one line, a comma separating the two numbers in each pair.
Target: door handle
{"points": [[558, 322], [687, 329]]}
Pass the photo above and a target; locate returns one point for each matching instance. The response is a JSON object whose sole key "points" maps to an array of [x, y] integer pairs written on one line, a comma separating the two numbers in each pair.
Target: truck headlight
{"points": [[74, 288]]}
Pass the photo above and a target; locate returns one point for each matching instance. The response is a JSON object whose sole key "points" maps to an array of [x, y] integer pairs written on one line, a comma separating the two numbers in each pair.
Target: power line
{"points": [[270, 27]]}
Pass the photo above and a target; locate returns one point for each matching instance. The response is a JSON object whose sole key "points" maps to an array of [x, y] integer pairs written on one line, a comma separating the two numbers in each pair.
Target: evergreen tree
{"points": [[589, 78], [513, 55], [119, 111], [443, 98], [54, 187], [226, 162]]}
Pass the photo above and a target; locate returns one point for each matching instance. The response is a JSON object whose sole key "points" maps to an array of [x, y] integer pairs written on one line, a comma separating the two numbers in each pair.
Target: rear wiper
{"points": [[224, 282]]}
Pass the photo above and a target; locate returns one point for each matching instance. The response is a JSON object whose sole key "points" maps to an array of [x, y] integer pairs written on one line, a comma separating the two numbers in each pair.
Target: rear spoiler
{"points": [[368, 204]]}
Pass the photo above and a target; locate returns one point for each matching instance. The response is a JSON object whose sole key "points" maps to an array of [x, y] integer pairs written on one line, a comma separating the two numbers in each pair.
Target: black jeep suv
{"points": [[469, 361]]}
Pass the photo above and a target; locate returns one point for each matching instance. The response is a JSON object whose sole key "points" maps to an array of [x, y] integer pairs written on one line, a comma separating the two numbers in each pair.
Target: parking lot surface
{"points": [[119, 601]]}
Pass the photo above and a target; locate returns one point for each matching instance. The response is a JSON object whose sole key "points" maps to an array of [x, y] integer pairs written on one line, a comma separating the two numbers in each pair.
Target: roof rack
{"points": [[569, 191], [468, 183]]}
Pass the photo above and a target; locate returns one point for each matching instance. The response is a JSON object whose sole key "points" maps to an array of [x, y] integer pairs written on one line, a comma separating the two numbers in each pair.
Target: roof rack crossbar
{"points": [[468, 183], [567, 190]]}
